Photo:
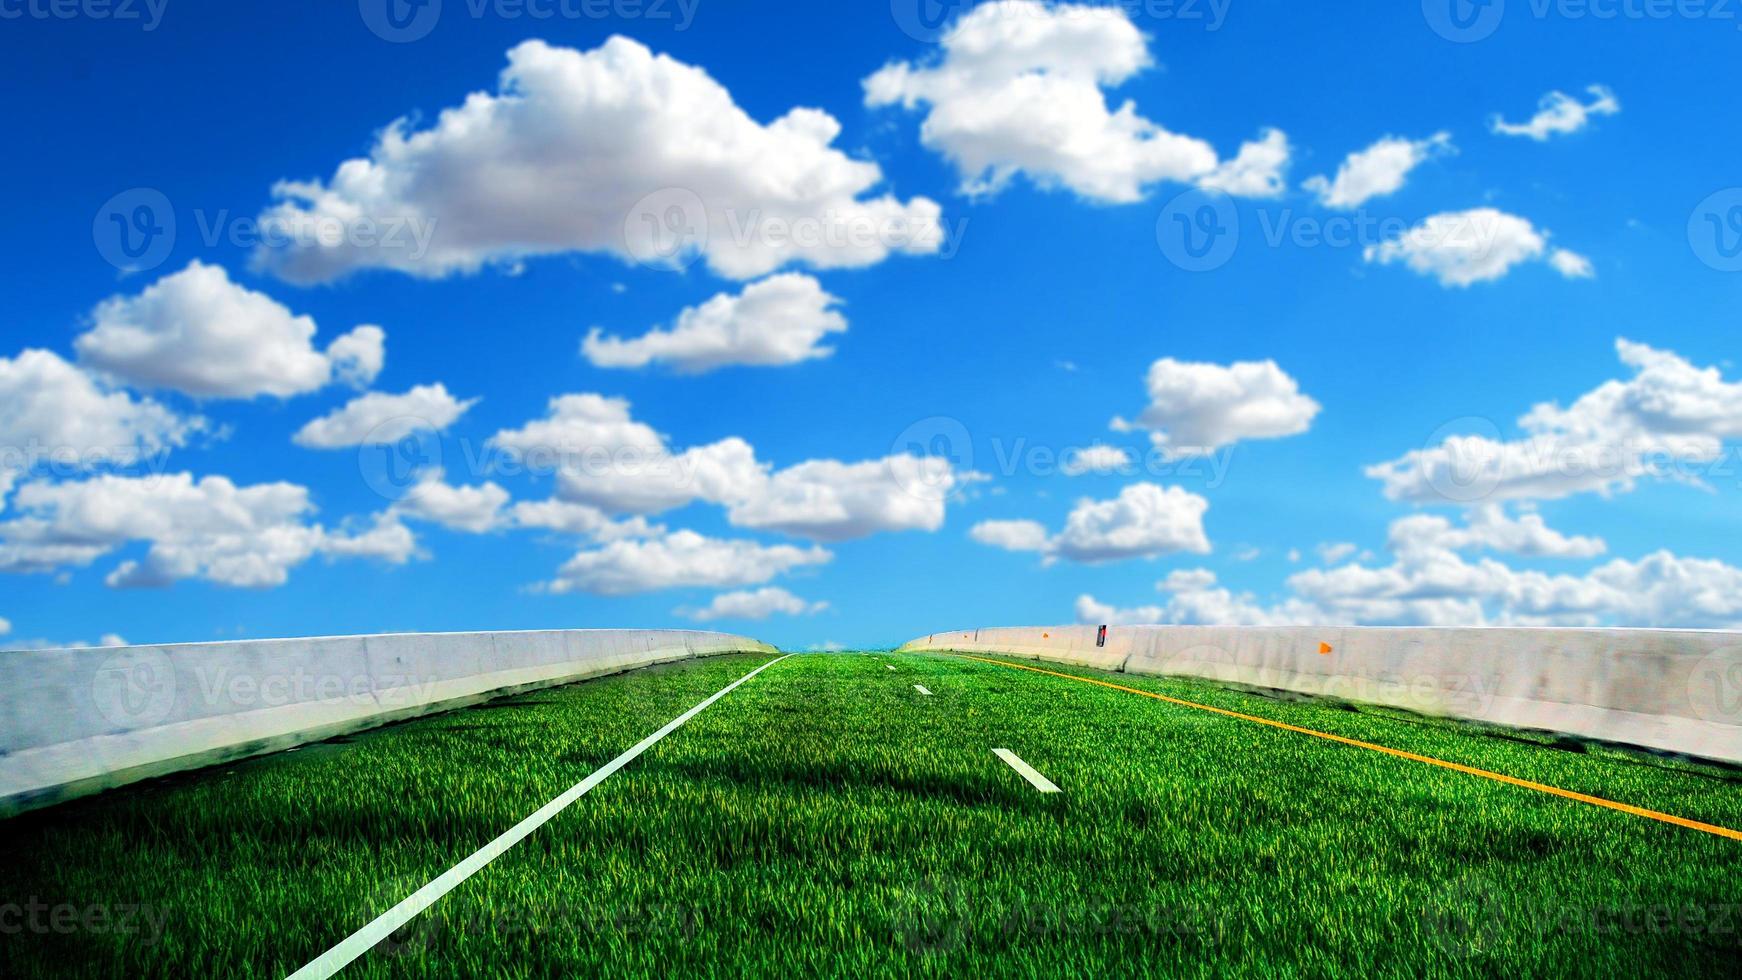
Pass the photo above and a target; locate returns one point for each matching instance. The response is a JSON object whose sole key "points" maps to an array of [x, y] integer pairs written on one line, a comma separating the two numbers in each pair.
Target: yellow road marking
{"points": [[1443, 764]]}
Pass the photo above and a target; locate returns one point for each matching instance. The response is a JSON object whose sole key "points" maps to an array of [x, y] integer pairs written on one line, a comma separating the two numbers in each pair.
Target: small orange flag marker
{"points": [[1325, 649]]}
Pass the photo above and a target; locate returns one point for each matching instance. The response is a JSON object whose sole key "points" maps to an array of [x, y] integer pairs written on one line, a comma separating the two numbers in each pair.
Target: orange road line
{"points": [[1455, 767]]}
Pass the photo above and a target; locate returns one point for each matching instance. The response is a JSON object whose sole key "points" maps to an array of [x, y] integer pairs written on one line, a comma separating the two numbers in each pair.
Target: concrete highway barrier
{"points": [[74, 722], [1676, 691]]}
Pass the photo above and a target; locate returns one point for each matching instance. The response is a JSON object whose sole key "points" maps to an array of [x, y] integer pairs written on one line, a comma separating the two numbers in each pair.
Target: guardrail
{"points": [[74, 722], [1671, 690]]}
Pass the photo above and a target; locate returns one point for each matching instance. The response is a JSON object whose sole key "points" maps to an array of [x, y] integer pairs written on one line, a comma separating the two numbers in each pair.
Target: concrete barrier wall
{"points": [[78, 721], [1672, 690]]}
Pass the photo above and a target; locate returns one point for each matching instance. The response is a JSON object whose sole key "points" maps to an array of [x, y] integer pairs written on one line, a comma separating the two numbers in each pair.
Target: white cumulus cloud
{"points": [[1431, 581], [754, 604], [378, 418], [679, 559], [1377, 171], [1017, 88], [475, 510], [1560, 114], [210, 528], [604, 458], [779, 320], [1195, 408], [1461, 248], [566, 155], [1012, 535], [197, 332], [1095, 459], [1665, 422], [52, 412], [1144, 521]]}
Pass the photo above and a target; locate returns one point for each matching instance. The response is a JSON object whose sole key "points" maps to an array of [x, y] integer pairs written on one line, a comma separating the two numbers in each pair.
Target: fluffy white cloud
{"points": [[386, 539], [1091, 612], [378, 418], [1332, 552], [1667, 420], [1434, 586], [1489, 528], [1196, 408], [5, 626], [757, 604], [1430, 582], [210, 529], [1571, 264], [1195, 599], [1559, 114], [590, 152], [1259, 170], [476, 510], [779, 320], [579, 519], [1017, 88], [680, 559], [1460, 248], [1096, 459], [606, 459], [1012, 535], [199, 333], [1144, 521], [106, 640], [53, 413], [1377, 171], [826, 500]]}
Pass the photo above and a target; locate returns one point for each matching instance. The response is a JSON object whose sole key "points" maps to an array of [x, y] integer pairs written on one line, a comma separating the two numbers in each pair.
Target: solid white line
{"points": [[365, 939], [921, 689], [1028, 772]]}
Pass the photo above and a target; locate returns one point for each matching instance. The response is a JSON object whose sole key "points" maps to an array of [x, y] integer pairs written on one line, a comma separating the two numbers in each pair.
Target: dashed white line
{"points": [[365, 939], [1027, 771], [890, 666], [921, 689]]}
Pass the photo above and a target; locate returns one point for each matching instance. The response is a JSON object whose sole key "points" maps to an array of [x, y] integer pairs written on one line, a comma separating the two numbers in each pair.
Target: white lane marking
{"points": [[1027, 771], [890, 666], [365, 939], [921, 689]]}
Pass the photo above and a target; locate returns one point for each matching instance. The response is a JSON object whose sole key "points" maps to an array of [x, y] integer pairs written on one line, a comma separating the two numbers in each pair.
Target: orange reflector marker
{"points": [[1324, 649], [1637, 811]]}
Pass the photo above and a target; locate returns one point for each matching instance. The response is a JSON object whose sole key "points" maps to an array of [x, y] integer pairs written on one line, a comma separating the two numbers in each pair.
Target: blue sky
{"points": [[1491, 271]]}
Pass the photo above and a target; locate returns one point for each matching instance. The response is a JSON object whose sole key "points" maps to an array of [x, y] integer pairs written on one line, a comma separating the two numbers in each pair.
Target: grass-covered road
{"points": [[827, 817]]}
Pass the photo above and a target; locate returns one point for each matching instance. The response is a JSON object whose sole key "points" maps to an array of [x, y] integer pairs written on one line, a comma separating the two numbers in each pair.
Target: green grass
{"points": [[827, 818]]}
